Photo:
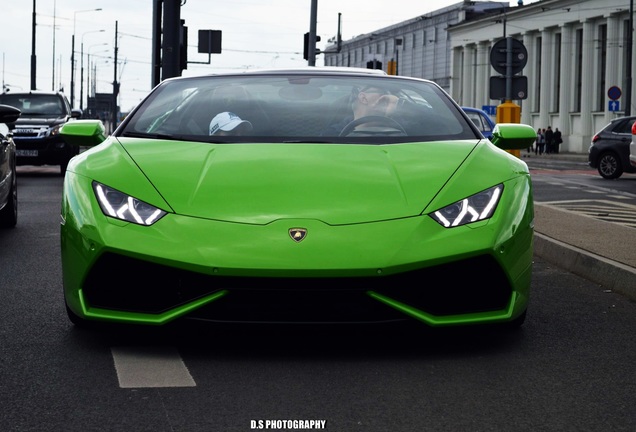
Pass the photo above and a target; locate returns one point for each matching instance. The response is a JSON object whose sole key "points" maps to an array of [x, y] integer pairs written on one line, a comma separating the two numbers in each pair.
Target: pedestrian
{"points": [[557, 140], [549, 140], [540, 143]]}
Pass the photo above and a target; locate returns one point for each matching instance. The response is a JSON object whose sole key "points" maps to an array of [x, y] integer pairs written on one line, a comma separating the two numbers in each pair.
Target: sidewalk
{"points": [[600, 251]]}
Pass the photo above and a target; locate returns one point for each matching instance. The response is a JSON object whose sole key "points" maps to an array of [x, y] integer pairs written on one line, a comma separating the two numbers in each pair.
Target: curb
{"points": [[607, 273]]}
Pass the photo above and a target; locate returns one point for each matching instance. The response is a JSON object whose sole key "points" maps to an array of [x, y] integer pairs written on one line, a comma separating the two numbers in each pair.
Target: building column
{"points": [[483, 74], [612, 74], [587, 83], [566, 83], [545, 101], [468, 76], [528, 104], [456, 84]]}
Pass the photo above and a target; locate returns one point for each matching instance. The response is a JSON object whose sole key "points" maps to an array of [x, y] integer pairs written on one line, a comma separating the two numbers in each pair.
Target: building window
{"points": [[602, 66], [537, 90], [627, 69], [578, 58], [557, 72]]}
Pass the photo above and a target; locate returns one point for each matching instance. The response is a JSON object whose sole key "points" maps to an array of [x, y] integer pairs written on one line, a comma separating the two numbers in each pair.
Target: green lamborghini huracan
{"points": [[315, 195]]}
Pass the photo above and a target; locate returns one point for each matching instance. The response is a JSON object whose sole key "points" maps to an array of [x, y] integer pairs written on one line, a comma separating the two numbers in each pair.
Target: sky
{"points": [[256, 34]]}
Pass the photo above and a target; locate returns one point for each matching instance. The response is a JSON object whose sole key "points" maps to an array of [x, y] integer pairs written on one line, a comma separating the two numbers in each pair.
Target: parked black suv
{"points": [[36, 134], [609, 150]]}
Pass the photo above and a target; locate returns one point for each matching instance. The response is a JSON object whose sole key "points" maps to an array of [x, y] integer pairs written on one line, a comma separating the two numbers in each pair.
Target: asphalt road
{"points": [[570, 368]]}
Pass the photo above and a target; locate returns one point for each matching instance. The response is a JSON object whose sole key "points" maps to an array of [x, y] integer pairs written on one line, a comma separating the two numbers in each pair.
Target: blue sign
{"points": [[614, 106], [490, 109], [614, 93]]}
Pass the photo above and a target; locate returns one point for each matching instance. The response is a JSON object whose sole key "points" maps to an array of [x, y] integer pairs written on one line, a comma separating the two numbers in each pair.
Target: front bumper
{"points": [[52, 150], [373, 272]]}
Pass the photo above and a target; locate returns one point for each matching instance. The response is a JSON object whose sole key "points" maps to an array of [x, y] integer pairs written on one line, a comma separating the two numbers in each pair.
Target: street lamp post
{"points": [[81, 98], [33, 57], [73, 52]]}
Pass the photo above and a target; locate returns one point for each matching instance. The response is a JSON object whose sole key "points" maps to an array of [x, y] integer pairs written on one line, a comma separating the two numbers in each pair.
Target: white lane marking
{"points": [[151, 366]]}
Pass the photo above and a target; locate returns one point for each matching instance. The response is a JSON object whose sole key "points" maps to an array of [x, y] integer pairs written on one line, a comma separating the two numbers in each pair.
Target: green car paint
{"points": [[380, 243]]}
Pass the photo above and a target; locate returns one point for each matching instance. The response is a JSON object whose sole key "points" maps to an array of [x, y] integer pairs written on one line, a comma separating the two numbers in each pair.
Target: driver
{"points": [[369, 101]]}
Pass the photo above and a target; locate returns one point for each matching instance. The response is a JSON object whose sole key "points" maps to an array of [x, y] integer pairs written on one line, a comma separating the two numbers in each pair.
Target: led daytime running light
{"points": [[475, 208], [124, 207]]}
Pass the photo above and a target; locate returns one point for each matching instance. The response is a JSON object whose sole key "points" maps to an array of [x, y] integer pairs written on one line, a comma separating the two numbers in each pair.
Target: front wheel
{"points": [[63, 167], [517, 322], [76, 320], [609, 166]]}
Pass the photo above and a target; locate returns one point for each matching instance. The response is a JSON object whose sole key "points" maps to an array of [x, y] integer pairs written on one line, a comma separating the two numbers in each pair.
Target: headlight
{"points": [[55, 130], [124, 207], [472, 209]]}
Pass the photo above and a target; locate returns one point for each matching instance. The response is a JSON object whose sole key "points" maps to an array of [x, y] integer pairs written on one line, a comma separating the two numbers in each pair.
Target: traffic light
{"points": [[306, 46]]}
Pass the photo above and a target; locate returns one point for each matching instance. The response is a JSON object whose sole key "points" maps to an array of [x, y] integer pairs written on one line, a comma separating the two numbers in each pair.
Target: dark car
{"points": [[8, 180], [36, 135], [609, 150]]}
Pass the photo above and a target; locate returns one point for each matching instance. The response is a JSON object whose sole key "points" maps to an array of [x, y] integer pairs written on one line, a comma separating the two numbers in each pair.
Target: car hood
{"points": [[334, 183]]}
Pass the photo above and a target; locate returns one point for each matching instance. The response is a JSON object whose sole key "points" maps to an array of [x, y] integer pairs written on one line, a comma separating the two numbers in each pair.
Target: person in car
{"points": [[369, 101]]}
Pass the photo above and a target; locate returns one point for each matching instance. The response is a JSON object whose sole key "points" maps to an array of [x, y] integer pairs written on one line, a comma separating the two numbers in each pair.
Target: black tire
{"points": [[517, 322], [9, 214], [609, 166], [73, 151], [63, 167], [77, 321]]}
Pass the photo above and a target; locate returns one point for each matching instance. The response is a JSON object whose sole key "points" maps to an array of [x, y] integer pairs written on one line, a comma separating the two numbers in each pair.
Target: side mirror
{"points": [[84, 133], [76, 113], [513, 136], [9, 114]]}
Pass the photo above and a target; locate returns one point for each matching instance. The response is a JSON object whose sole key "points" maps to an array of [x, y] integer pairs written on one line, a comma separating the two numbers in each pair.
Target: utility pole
{"points": [[33, 58], [115, 83], [171, 24], [157, 11], [311, 49]]}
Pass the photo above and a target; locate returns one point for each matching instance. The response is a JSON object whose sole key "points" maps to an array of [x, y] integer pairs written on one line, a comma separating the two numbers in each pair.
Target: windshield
{"points": [[299, 108], [35, 105]]}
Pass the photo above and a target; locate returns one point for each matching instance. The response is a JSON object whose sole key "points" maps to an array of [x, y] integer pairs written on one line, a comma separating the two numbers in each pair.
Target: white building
{"points": [[577, 50]]}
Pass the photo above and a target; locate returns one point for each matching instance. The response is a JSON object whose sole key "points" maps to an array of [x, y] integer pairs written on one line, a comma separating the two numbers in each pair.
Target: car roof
{"points": [[35, 92], [325, 71], [320, 70]]}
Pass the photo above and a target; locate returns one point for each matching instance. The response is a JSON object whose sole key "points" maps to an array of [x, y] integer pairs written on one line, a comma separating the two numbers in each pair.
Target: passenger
{"points": [[229, 124]]}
